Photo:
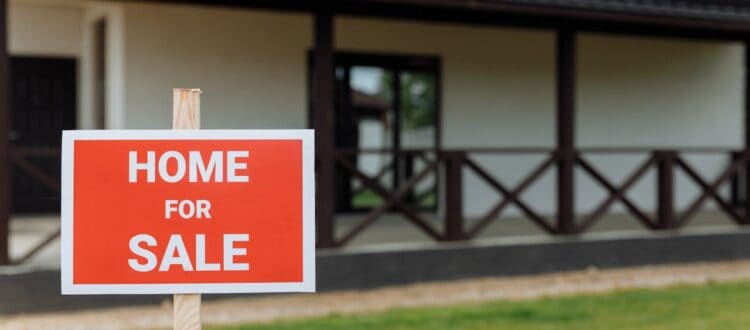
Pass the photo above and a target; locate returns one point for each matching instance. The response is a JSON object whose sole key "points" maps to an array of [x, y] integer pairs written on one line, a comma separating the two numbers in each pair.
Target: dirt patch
{"points": [[269, 308]]}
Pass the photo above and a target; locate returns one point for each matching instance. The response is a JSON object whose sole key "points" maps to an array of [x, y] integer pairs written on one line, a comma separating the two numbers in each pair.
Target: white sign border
{"points": [[308, 212]]}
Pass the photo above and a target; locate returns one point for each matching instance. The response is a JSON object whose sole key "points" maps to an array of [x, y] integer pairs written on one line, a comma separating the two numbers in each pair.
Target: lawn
{"points": [[711, 306]]}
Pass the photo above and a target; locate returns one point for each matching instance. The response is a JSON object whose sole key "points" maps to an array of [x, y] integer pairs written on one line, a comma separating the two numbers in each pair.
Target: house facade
{"points": [[453, 110]]}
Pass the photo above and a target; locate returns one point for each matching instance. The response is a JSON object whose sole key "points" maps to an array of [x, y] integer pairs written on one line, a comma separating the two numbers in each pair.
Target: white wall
{"points": [[498, 90], [250, 65], [50, 28], [498, 87], [647, 92], [490, 76], [659, 92]]}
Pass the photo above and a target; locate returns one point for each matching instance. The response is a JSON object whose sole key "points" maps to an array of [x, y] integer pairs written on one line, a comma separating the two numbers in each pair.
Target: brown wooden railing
{"points": [[393, 199], [452, 164], [20, 159]]}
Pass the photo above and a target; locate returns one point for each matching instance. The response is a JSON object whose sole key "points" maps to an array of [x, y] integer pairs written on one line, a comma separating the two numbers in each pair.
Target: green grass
{"points": [[366, 198], [711, 306]]}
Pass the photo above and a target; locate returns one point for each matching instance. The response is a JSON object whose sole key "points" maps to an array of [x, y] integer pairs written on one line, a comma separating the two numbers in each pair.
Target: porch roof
{"points": [[733, 10], [712, 19]]}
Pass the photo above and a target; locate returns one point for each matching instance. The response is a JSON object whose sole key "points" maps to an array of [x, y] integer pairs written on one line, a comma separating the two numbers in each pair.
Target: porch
{"points": [[658, 175], [642, 193], [684, 199]]}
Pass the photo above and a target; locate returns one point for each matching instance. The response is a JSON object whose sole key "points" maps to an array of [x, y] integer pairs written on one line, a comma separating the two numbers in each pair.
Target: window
{"points": [[387, 108]]}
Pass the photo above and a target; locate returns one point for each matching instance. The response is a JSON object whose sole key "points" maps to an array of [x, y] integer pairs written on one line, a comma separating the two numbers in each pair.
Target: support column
{"points": [[566, 79], [5, 167], [323, 118], [746, 154]]}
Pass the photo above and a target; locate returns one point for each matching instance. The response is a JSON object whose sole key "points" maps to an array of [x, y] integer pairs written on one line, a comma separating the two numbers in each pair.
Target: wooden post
{"points": [[566, 79], [5, 166], [746, 153], [186, 107], [665, 186], [454, 208], [734, 184], [323, 122]]}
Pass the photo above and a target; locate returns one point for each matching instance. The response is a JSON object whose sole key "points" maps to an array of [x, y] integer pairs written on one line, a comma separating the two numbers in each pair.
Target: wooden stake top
{"points": [[186, 107]]}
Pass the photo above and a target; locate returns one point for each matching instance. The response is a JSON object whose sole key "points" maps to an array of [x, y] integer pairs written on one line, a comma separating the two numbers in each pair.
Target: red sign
{"points": [[187, 211]]}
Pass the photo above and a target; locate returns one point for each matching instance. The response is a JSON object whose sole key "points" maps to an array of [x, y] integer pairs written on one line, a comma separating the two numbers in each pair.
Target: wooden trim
{"points": [[665, 173], [5, 119], [746, 167], [565, 119], [396, 63], [396, 138], [391, 60], [100, 28], [323, 120], [454, 206], [511, 14]]}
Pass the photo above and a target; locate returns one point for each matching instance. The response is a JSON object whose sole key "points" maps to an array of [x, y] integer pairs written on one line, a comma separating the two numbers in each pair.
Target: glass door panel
{"points": [[371, 98], [418, 130], [384, 106]]}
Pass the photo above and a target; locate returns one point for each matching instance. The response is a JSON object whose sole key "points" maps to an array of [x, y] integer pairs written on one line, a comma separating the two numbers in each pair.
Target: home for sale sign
{"points": [[178, 211]]}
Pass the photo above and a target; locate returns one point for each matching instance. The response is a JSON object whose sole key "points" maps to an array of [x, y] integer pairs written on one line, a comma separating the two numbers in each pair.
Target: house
{"points": [[447, 110]]}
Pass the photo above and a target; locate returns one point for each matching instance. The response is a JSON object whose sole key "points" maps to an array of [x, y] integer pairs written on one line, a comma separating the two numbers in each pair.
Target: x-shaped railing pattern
{"points": [[19, 158], [666, 161], [708, 189], [510, 196], [395, 199], [711, 190], [616, 193]]}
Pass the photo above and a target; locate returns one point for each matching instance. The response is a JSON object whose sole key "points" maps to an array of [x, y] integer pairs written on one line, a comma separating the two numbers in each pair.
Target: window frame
{"points": [[397, 63]]}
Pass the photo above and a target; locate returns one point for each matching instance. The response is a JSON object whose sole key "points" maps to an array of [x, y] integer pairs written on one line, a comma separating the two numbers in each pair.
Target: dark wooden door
{"points": [[43, 103]]}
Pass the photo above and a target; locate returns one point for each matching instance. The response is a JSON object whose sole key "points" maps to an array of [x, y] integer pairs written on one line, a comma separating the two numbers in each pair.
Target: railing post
{"points": [[406, 170], [323, 122], [454, 208], [566, 152], [734, 189], [665, 217]]}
